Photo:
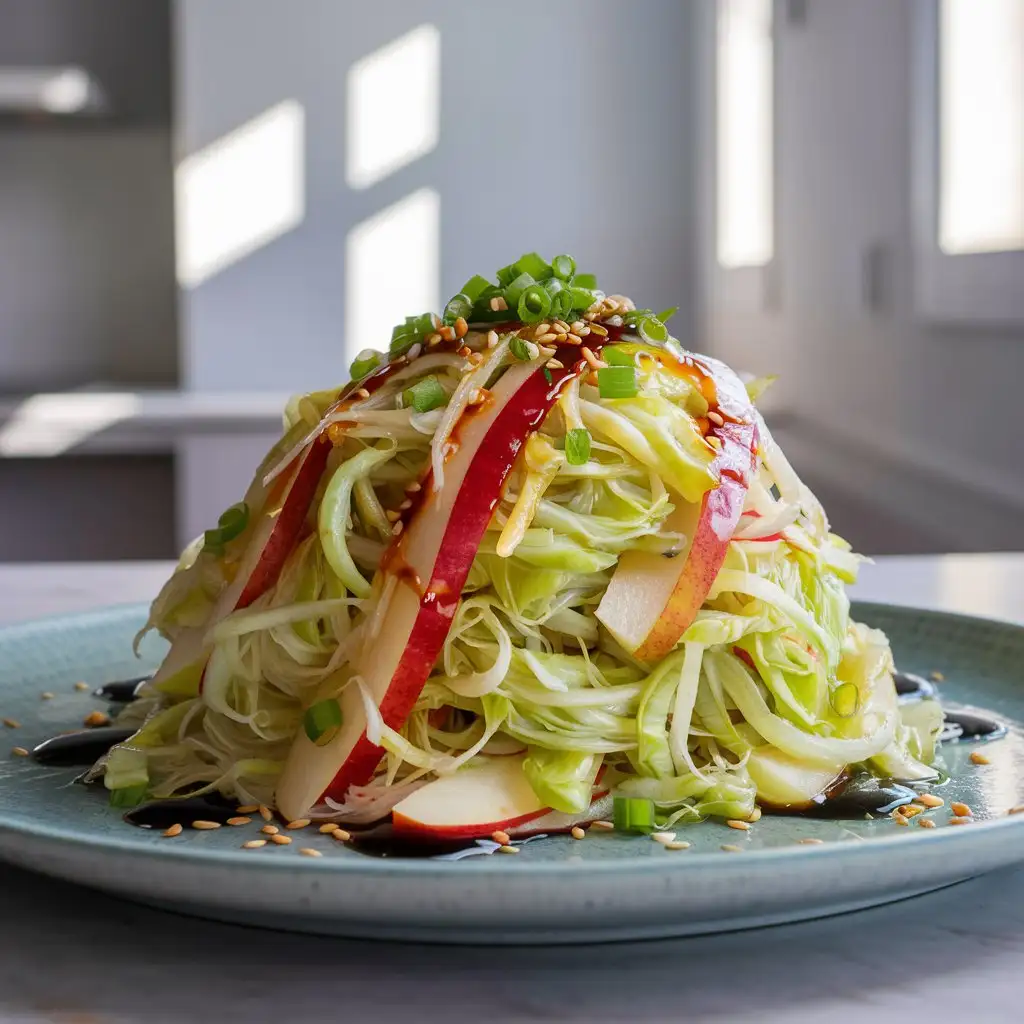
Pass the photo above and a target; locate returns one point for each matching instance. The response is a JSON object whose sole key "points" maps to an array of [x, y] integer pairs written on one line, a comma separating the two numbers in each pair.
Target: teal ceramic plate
{"points": [[605, 887]]}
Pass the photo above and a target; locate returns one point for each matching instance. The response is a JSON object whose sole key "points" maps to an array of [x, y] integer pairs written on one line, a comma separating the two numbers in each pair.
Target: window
{"points": [[968, 160], [744, 129]]}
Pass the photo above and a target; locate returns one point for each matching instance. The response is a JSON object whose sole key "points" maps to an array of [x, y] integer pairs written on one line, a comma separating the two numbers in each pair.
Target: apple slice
{"points": [[472, 803], [652, 599], [421, 578], [272, 539]]}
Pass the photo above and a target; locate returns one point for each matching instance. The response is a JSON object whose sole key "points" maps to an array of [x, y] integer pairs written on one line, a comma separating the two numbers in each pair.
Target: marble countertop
{"points": [[79, 957]]}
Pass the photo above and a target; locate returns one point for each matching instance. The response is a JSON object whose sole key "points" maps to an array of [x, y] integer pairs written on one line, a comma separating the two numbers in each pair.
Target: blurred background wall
{"points": [[207, 204]]}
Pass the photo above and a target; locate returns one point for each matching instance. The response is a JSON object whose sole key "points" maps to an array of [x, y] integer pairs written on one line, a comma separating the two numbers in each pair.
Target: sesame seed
{"points": [[243, 820], [583, 331], [680, 844], [962, 820], [541, 329], [910, 810], [938, 677], [663, 837], [811, 842], [1019, 809], [19, 752], [498, 304], [900, 819], [265, 812], [362, 392], [755, 814], [591, 359], [433, 340], [961, 810], [341, 835], [254, 844], [12, 723], [550, 336], [476, 358], [561, 339], [397, 528], [270, 830], [328, 827], [577, 325], [743, 826], [930, 800], [465, 351], [577, 832], [447, 333], [281, 840], [298, 823], [715, 418], [926, 823], [507, 849], [81, 687], [174, 830], [492, 339], [392, 515], [46, 696], [600, 331], [205, 826], [414, 487], [729, 848], [308, 851], [555, 364], [501, 838], [979, 758], [561, 326], [714, 441], [461, 327], [415, 350], [247, 809], [603, 826], [95, 719]]}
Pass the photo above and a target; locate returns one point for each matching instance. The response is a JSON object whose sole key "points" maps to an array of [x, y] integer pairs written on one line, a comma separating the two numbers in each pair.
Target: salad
{"points": [[533, 558]]}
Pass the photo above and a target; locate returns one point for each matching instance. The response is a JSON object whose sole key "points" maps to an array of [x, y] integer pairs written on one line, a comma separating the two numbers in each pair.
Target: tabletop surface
{"points": [[78, 957]]}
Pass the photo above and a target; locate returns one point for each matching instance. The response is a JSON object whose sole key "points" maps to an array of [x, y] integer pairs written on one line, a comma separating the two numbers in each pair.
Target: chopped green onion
{"points": [[475, 287], [588, 281], [230, 524], [516, 288], [582, 298], [547, 376], [322, 721], [651, 329], [563, 267], [129, 796], [535, 264], [366, 362], [458, 305], [534, 304], [666, 314], [522, 349], [425, 395], [845, 699], [617, 381], [616, 355], [633, 814], [577, 446], [507, 274], [414, 330]]}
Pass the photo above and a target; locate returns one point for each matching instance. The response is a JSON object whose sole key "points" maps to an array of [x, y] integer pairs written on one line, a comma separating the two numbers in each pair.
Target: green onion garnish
{"points": [[231, 523], [617, 382], [845, 699], [535, 264], [129, 796], [616, 355], [577, 446], [582, 298], [475, 287], [516, 288], [322, 721], [425, 395], [633, 814], [507, 275], [458, 305], [651, 329], [534, 304], [547, 376], [585, 281], [414, 330], [666, 314], [521, 349], [561, 300], [563, 267], [366, 362]]}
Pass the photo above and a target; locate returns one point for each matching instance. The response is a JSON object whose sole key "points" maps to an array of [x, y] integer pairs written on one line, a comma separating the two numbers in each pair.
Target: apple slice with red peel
{"points": [[560, 821], [421, 578], [652, 599], [271, 541], [474, 802]]}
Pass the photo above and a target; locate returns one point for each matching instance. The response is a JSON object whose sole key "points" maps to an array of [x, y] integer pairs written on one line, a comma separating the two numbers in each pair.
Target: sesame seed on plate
{"points": [[501, 838], [811, 842], [298, 823], [241, 820], [978, 758], [330, 826], [926, 823], [900, 819], [555, 364], [680, 844], [205, 826], [910, 810], [265, 812], [1019, 809], [601, 332], [96, 719], [663, 837], [247, 809], [577, 832], [930, 800], [270, 830], [755, 814], [743, 826], [540, 329], [19, 752], [308, 851], [507, 849], [254, 844], [46, 696], [729, 848], [281, 840], [81, 687], [960, 820], [603, 826], [960, 810], [12, 723], [174, 830], [937, 676], [341, 835]]}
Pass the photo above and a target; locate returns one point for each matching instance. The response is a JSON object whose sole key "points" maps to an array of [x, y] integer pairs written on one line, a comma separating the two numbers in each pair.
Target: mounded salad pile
{"points": [[534, 557]]}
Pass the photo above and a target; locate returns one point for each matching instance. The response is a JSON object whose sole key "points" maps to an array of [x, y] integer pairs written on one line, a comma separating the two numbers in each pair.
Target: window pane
{"points": [[981, 87], [744, 133]]}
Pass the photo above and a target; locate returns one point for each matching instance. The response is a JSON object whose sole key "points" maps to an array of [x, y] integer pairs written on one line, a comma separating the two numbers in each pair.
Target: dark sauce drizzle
{"points": [[910, 687], [123, 692], [81, 748], [164, 813]]}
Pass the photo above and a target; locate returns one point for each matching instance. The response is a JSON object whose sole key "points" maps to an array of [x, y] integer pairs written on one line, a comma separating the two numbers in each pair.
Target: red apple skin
{"points": [[452, 833], [720, 513], [479, 495]]}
